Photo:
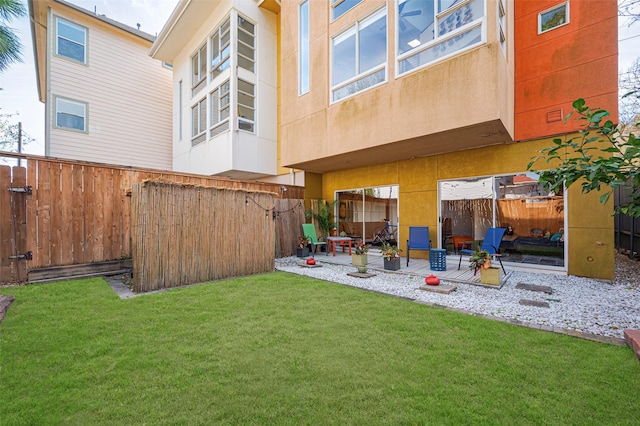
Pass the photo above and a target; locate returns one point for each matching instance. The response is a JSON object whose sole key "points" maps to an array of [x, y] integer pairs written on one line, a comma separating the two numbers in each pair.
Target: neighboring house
{"points": [[105, 99], [225, 79], [428, 112]]}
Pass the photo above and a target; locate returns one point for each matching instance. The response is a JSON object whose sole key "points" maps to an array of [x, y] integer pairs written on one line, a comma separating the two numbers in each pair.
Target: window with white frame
{"points": [[303, 49], [246, 44], [221, 48], [359, 56], [554, 17], [430, 30], [220, 108], [199, 121], [199, 69], [71, 40], [340, 7], [70, 115], [502, 25], [246, 106]]}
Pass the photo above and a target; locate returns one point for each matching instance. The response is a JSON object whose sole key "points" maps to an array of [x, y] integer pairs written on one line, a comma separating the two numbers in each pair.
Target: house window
{"points": [[430, 30], [221, 49], [71, 115], [502, 25], [199, 121], [220, 103], [199, 70], [180, 110], [554, 17], [246, 106], [303, 60], [340, 7], [71, 41], [359, 56], [246, 44]]}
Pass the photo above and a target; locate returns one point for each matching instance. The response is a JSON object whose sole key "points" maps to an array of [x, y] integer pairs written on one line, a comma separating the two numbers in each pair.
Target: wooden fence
{"points": [[79, 213], [185, 234], [289, 214]]}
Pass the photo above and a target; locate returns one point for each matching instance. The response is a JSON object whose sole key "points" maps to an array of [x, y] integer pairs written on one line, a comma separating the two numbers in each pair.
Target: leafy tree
{"points": [[630, 102], [322, 213], [629, 9], [9, 134], [599, 156], [10, 47]]}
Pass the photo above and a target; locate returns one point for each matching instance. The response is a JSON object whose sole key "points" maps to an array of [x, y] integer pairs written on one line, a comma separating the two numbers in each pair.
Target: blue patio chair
{"points": [[418, 239], [309, 229], [491, 244]]}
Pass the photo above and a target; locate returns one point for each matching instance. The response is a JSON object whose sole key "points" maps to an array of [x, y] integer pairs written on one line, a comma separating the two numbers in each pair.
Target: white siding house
{"points": [[225, 87], [106, 100]]}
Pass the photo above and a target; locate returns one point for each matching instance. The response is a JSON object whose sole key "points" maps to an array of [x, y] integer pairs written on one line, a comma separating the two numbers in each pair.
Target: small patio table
{"points": [[333, 241]]}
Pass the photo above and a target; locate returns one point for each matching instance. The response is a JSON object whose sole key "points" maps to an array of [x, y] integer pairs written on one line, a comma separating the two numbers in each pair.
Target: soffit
{"points": [[177, 31], [476, 136]]}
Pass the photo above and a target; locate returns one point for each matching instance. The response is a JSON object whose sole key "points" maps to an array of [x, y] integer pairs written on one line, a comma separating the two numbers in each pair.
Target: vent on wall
{"points": [[554, 115]]}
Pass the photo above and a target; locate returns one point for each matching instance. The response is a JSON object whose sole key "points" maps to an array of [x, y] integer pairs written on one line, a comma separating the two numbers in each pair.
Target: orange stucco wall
{"points": [[577, 60]]}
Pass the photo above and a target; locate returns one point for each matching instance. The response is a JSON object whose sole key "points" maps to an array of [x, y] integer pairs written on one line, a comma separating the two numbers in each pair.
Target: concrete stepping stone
{"points": [[533, 287], [536, 303], [440, 288]]}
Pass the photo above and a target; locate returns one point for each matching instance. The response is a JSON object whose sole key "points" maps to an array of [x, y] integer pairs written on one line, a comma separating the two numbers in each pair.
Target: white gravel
{"points": [[581, 304]]}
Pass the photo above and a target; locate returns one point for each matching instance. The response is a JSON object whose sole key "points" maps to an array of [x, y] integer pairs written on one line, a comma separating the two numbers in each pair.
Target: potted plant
{"points": [[359, 256], [391, 256], [481, 259], [303, 246], [323, 215]]}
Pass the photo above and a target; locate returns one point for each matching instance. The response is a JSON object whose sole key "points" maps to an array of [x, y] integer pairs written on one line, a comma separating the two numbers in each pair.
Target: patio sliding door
{"points": [[534, 218], [361, 213]]}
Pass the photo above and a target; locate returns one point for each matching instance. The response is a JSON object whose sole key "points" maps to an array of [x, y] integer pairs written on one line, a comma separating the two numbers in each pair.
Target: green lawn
{"points": [[285, 349]]}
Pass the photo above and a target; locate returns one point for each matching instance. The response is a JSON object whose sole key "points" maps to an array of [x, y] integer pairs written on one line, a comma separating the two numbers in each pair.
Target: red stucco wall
{"points": [[577, 60]]}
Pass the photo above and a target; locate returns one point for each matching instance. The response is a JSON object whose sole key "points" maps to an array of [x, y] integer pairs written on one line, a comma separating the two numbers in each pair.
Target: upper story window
{"points": [[220, 104], [246, 44], [199, 121], [359, 56], [246, 106], [71, 115], [221, 48], [502, 25], [554, 17], [340, 7], [303, 49], [71, 40], [199, 69], [429, 30]]}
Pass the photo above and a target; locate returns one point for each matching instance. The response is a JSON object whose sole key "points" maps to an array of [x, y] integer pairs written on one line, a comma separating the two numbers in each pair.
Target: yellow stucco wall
{"points": [[589, 226]]}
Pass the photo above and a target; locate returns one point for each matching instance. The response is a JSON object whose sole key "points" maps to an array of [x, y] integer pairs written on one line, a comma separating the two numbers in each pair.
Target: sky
{"points": [[19, 94]]}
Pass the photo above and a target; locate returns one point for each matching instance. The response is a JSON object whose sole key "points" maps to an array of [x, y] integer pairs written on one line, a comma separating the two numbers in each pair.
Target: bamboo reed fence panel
{"points": [[289, 220], [184, 234], [80, 212]]}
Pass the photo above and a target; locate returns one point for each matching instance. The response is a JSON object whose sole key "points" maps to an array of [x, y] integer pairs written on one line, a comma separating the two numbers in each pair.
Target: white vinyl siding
{"points": [[129, 98]]}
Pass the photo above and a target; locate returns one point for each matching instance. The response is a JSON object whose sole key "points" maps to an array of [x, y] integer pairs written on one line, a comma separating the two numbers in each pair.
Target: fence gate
{"points": [[13, 225]]}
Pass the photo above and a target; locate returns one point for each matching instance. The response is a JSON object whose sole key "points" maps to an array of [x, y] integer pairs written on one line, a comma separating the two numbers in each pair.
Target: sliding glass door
{"points": [[370, 214], [533, 217]]}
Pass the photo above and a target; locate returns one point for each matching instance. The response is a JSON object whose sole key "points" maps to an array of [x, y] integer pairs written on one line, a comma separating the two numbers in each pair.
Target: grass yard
{"points": [[286, 349]]}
